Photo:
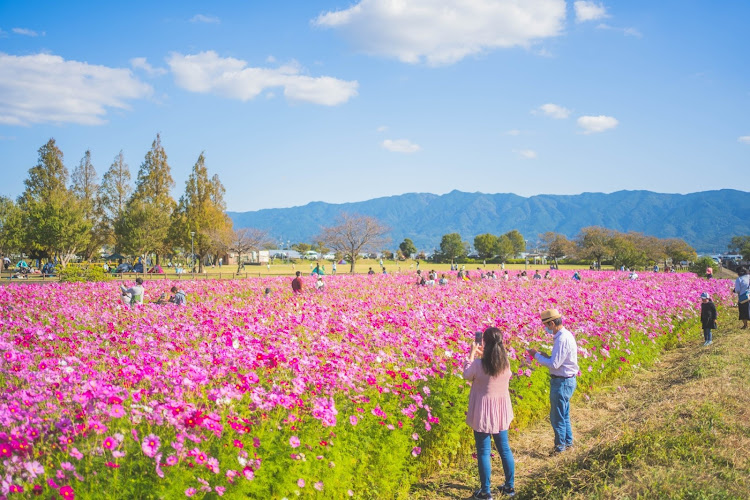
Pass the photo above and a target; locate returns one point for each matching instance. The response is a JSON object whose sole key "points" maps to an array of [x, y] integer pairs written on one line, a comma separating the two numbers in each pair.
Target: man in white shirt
{"points": [[563, 369]]}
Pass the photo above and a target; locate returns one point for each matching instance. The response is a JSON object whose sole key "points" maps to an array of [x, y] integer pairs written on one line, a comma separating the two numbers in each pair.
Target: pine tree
{"points": [[85, 186], [151, 204], [201, 211], [115, 193]]}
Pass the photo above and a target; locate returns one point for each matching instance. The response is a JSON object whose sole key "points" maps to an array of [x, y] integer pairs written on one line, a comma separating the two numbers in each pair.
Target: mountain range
{"points": [[706, 220]]}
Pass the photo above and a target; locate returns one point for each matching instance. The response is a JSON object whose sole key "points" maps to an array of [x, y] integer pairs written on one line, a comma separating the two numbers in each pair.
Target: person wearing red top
{"points": [[297, 283]]}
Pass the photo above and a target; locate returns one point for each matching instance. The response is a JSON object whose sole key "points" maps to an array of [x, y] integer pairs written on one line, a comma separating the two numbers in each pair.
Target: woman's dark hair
{"points": [[494, 359], [741, 271]]}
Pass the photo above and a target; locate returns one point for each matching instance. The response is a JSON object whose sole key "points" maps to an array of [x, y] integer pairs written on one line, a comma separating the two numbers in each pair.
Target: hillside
{"points": [[706, 220]]}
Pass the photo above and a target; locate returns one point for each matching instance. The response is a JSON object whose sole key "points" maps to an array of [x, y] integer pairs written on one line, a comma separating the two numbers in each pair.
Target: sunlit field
{"points": [[353, 390]]}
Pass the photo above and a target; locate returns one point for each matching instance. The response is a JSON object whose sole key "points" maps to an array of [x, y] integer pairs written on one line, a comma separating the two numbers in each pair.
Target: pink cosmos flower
{"points": [[109, 443], [294, 441], [353, 420], [248, 473], [67, 492], [301, 483], [34, 469], [157, 459], [190, 492], [415, 436], [416, 451], [172, 460], [150, 445], [318, 486], [220, 490]]}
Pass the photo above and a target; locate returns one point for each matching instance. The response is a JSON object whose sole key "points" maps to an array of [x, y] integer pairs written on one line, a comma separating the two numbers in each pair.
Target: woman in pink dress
{"points": [[490, 411]]}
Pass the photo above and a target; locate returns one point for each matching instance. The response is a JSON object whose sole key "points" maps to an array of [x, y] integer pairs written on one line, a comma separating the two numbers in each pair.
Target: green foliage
{"points": [[740, 245], [452, 247], [407, 247], [10, 226], [699, 265], [517, 240], [114, 195], [485, 245], [77, 273]]}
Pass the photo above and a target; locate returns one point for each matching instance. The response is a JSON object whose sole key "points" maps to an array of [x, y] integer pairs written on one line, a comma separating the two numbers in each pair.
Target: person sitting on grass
{"points": [[133, 295]]}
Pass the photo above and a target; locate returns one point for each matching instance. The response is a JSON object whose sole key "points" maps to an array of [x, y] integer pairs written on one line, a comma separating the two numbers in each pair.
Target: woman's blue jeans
{"points": [[561, 390], [484, 448], [707, 334]]}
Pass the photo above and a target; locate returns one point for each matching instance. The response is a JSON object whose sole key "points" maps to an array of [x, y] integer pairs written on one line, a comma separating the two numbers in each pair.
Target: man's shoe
{"points": [[556, 451], [482, 496]]}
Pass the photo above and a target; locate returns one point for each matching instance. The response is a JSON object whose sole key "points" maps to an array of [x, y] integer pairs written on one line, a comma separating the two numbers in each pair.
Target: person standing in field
{"points": [[709, 272], [708, 318], [563, 369], [297, 283], [741, 288], [333, 271], [490, 411]]}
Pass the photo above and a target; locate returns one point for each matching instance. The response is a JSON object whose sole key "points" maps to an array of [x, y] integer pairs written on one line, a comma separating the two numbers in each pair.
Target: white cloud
{"points": [[444, 31], [745, 139], [45, 88], [382, 128], [200, 18], [206, 72], [595, 124], [553, 111], [400, 146], [142, 63], [526, 154], [513, 133], [589, 11], [625, 31], [25, 32]]}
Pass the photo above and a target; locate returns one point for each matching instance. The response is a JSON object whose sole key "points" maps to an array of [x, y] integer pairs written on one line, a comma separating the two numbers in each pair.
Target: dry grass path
{"points": [[678, 429]]}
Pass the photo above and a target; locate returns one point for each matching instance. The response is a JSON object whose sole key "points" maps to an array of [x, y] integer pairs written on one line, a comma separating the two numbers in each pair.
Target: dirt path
{"points": [[647, 398]]}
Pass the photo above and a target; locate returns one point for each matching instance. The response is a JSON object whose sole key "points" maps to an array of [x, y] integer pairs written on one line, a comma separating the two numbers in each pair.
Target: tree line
{"points": [[61, 216]]}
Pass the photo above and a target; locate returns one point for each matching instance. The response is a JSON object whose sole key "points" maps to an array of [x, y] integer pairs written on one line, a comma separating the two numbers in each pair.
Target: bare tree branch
{"points": [[354, 234]]}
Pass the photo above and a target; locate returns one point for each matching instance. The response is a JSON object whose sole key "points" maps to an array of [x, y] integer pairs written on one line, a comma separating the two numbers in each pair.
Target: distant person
{"points": [[384, 271], [537, 276], [741, 288], [317, 269], [709, 272], [134, 294], [547, 276], [443, 280], [708, 318], [319, 285], [297, 283], [633, 275], [333, 271], [656, 268], [370, 271], [490, 411], [563, 369], [577, 276]]}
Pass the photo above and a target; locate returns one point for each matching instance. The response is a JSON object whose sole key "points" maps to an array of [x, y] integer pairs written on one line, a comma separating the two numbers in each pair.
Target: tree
{"points": [[10, 225], [504, 249], [201, 211], [52, 218], [452, 247], [47, 176], [678, 250], [245, 240], [624, 251], [740, 245], [60, 226], [556, 245], [593, 243], [516, 239], [485, 245], [354, 234], [115, 193], [85, 186], [151, 203], [302, 247], [407, 248]]}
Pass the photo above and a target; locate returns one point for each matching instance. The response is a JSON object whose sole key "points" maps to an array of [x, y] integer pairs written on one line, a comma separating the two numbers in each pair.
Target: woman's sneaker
{"points": [[506, 490]]}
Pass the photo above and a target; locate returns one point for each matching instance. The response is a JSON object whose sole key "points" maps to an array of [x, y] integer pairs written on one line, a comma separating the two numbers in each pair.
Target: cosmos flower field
{"points": [[350, 391]]}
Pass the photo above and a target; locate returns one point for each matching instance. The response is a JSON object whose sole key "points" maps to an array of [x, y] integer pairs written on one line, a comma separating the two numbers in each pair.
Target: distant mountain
{"points": [[706, 220]]}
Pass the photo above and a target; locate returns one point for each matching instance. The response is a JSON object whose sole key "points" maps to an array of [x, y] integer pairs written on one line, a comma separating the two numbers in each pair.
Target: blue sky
{"points": [[336, 101]]}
